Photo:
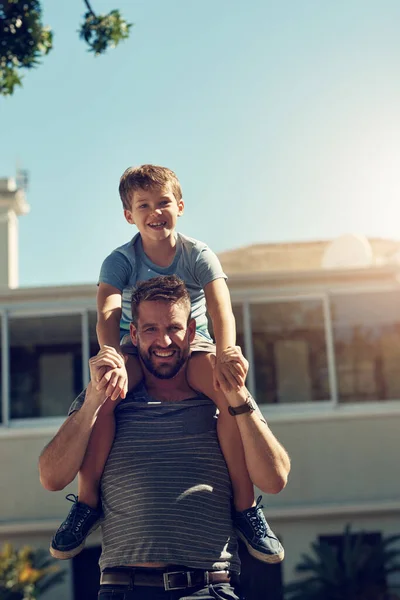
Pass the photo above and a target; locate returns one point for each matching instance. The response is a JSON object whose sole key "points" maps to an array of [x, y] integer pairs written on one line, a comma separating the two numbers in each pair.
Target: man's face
{"points": [[163, 336]]}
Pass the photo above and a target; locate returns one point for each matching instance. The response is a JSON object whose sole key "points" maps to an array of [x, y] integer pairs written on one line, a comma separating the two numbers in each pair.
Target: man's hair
{"points": [[144, 178], [165, 288]]}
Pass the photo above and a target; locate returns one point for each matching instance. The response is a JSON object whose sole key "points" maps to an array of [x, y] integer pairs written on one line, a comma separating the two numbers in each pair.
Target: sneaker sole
{"points": [[266, 558], [65, 554]]}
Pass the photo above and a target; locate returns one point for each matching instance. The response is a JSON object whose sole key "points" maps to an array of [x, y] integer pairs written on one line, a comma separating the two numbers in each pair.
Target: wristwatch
{"points": [[248, 406]]}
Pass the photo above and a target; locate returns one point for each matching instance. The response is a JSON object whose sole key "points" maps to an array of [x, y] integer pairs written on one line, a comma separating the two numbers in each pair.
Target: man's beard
{"points": [[169, 369]]}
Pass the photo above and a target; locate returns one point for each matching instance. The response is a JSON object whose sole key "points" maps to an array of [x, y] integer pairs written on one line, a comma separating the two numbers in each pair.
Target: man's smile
{"points": [[164, 353]]}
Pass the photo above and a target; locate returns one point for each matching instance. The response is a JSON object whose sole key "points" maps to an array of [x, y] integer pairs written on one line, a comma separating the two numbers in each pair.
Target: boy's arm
{"points": [[109, 309], [220, 310]]}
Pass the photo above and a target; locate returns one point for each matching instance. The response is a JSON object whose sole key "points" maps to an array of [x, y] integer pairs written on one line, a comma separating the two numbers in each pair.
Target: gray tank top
{"points": [[166, 491]]}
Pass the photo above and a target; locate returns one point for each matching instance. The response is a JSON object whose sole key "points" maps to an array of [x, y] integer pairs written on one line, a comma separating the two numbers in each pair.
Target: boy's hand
{"points": [[230, 369], [108, 373]]}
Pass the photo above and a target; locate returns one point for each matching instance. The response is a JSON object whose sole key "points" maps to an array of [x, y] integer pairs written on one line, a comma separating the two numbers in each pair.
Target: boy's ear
{"points": [[181, 206], [133, 332], [128, 216]]}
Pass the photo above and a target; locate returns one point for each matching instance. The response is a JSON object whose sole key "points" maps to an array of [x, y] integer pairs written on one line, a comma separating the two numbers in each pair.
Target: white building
{"points": [[320, 326]]}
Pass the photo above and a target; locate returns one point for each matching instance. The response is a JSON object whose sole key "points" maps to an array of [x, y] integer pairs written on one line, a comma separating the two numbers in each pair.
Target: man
{"points": [[166, 495]]}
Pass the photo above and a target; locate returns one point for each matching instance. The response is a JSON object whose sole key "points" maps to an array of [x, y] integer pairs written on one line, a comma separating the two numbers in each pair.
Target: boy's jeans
{"points": [[217, 591]]}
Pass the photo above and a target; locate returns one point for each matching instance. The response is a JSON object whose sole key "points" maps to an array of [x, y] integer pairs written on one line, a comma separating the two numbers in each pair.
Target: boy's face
{"points": [[154, 212]]}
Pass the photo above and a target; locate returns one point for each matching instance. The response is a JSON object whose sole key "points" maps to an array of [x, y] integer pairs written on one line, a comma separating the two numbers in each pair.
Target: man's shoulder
{"points": [[138, 392]]}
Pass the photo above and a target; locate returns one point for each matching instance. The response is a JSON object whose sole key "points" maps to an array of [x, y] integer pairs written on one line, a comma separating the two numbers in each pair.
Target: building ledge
{"points": [[295, 413]]}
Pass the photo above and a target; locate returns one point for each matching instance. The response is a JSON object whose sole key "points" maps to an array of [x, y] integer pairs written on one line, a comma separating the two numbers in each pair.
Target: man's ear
{"points": [[128, 216], [133, 332], [192, 330]]}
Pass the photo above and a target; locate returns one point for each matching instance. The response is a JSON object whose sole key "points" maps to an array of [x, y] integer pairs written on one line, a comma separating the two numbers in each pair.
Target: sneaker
{"points": [[254, 531], [70, 537]]}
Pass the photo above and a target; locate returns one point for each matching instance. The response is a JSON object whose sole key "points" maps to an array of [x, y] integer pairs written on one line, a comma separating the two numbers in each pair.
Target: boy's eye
{"points": [[143, 206], [164, 202]]}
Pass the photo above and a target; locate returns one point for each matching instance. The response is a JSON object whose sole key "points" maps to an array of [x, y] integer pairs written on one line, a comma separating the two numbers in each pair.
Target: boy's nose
{"points": [[157, 211]]}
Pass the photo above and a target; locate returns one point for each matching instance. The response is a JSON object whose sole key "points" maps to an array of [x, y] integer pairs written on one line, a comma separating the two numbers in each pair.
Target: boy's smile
{"points": [[154, 211]]}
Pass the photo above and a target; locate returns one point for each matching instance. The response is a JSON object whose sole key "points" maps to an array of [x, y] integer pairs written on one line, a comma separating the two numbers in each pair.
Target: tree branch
{"points": [[90, 9]]}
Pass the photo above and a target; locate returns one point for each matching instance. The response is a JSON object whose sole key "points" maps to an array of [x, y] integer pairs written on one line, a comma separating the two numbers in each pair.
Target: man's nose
{"points": [[164, 339]]}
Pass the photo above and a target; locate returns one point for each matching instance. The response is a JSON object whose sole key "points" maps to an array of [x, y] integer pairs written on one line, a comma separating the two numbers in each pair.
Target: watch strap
{"points": [[243, 408]]}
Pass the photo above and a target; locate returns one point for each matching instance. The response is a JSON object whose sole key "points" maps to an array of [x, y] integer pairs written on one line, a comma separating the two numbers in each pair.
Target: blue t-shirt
{"points": [[194, 263]]}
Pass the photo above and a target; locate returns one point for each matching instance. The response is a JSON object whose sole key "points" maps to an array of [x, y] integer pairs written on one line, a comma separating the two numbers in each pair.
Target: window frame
{"points": [[26, 310], [262, 298], [317, 410]]}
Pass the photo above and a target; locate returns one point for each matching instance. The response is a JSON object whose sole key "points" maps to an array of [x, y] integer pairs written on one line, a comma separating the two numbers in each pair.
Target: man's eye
{"points": [[149, 329]]}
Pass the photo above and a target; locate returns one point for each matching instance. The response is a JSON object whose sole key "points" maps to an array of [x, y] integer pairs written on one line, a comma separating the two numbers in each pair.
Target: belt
{"points": [[169, 580]]}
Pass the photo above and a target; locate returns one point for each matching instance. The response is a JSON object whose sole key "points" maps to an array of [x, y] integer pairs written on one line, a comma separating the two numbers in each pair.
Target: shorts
{"points": [[199, 344]]}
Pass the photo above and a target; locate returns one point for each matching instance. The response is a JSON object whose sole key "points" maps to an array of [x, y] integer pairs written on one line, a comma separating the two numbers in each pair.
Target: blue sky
{"points": [[281, 119]]}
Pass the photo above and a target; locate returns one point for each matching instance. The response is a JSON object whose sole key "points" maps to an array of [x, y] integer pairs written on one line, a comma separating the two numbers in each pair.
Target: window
{"points": [[289, 349], [45, 365], [366, 329]]}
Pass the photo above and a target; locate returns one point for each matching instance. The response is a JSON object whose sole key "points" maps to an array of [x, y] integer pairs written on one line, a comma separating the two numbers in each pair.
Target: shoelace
{"points": [[257, 519], [77, 517]]}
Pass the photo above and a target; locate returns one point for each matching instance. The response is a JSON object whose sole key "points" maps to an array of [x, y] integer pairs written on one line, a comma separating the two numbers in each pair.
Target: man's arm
{"points": [[61, 459], [267, 461]]}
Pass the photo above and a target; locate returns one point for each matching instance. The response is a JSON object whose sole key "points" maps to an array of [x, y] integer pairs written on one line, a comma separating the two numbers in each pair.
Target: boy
{"points": [[152, 200]]}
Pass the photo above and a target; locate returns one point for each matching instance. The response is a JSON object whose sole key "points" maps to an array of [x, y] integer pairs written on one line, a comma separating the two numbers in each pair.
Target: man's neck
{"points": [[174, 389]]}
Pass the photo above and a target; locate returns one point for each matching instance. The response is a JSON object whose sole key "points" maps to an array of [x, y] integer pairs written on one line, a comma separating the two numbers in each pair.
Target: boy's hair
{"points": [[167, 288], [146, 177]]}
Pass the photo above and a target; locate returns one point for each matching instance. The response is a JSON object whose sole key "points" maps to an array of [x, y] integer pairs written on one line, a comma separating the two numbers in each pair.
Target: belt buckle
{"points": [[168, 587]]}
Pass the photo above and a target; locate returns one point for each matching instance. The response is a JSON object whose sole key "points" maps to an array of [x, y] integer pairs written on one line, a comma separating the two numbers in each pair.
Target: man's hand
{"points": [[108, 373], [230, 370]]}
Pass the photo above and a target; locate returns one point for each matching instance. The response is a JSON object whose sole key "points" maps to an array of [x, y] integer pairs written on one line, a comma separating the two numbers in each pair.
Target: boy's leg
{"points": [[97, 451], [250, 521], [85, 513], [200, 377], [102, 436]]}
